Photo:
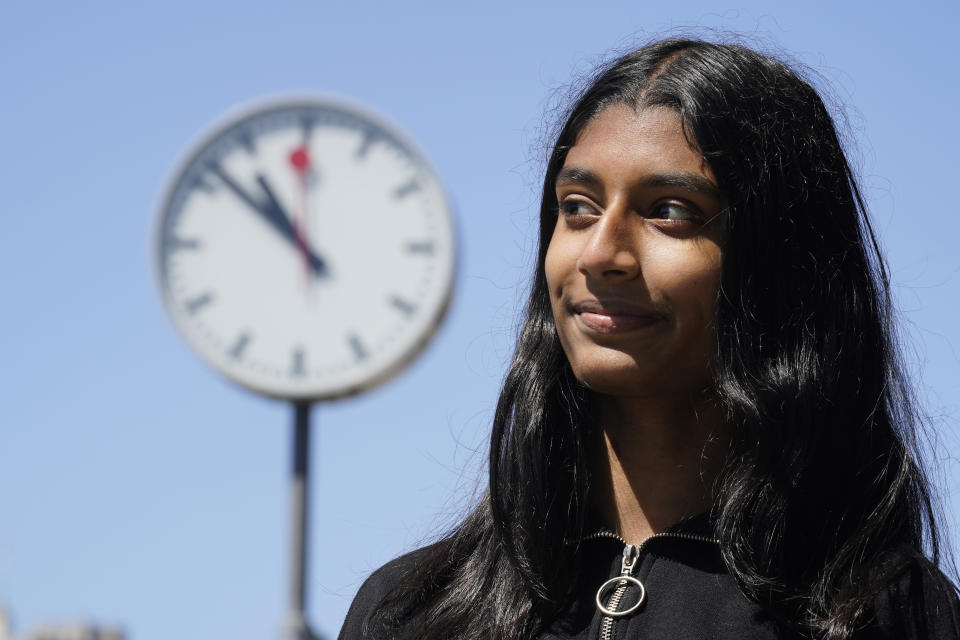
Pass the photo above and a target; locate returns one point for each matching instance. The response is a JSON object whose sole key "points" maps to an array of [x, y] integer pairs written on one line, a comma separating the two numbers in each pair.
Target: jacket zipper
{"points": [[631, 554]]}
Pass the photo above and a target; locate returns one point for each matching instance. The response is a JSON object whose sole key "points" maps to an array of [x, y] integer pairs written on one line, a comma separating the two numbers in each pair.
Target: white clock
{"points": [[306, 249]]}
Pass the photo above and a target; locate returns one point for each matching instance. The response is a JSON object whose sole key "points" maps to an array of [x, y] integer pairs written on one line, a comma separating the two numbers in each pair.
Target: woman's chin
{"points": [[625, 377], [614, 380]]}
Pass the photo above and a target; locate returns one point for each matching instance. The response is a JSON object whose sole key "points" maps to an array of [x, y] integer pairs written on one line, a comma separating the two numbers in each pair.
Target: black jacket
{"points": [[690, 595]]}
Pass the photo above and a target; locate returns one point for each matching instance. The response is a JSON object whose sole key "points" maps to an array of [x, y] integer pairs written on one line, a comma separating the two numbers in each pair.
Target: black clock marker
{"points": [[406, 189], [365, 144], [236, 351], [420, 246], [246, 141], [198, 182], [176, 243], [296, 366], [306, 125], [196, 304], [359, 352], [401, 305]]}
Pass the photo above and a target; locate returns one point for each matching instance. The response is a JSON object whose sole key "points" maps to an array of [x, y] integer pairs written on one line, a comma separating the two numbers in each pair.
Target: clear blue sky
{"points": [[136, 486]]}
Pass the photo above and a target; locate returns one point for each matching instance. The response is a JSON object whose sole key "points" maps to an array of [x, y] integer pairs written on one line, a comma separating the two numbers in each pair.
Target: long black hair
{"points": [[822, 501]]}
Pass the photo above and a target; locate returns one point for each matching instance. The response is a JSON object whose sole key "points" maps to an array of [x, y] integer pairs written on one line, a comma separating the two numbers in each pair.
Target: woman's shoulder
{"points": [[375, 588], [922, 604]]}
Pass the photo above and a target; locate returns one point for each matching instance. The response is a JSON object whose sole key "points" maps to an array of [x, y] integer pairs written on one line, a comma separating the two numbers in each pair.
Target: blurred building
{"points": [[61, 631]]}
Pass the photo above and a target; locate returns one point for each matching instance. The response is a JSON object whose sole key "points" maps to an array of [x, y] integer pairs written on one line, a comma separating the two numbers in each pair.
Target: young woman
{"points": [[705, 431]]}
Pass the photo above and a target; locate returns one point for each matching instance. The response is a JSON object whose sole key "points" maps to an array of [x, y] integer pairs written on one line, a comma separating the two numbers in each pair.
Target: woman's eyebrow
{"points": [[686, 180], [577, 176]]}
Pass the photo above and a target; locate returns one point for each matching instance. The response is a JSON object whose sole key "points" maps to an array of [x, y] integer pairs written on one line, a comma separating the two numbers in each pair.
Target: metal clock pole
{"points": [[297, 627]]}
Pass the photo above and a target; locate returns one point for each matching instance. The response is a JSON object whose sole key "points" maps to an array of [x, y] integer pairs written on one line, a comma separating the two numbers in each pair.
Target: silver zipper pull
{"points": [[616, 587]]}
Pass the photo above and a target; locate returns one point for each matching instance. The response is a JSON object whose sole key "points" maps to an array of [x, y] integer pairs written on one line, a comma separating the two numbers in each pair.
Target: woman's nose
{"points": [[612, 250]]}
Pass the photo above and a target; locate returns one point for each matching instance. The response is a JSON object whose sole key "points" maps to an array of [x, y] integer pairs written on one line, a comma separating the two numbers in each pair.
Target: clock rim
{"points": [[248, 110]]}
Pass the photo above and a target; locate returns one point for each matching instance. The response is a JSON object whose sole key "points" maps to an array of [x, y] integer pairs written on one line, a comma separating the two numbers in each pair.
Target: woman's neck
{"points": [[655, 461]]}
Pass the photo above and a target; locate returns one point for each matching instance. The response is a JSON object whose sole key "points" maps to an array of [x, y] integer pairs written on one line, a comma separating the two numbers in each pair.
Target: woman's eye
{"points": [[675, 211], [576, 208]]}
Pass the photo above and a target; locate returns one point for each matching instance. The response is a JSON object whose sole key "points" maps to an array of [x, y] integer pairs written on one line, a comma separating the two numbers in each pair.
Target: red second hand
{"points": [[300, 161]]}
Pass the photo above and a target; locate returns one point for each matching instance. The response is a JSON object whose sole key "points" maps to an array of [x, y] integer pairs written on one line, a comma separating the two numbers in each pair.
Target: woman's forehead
{"points": [[626, 143]]}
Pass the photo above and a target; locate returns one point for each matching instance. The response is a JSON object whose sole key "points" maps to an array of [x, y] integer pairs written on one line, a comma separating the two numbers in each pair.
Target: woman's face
{"points": [[633, 265]]}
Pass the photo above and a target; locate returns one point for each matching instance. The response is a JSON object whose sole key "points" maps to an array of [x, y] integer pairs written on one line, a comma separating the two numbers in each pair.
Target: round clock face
{"points": [[306, 250]]}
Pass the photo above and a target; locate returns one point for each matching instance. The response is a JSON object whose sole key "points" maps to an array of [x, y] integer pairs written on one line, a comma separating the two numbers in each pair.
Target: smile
{"points": [[611, 319]]}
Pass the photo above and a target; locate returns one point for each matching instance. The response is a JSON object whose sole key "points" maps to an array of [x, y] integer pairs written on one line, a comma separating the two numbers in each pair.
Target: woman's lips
{"points": [[603, 322], [612, 317]]}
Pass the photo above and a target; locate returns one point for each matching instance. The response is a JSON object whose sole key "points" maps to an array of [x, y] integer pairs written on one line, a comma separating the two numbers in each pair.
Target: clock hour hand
{"points": [[314, 263], [270, 210]]}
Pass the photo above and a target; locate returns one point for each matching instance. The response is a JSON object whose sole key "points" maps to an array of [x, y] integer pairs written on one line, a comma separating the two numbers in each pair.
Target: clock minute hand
{"points": [[316, 264], [272, 213]]}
